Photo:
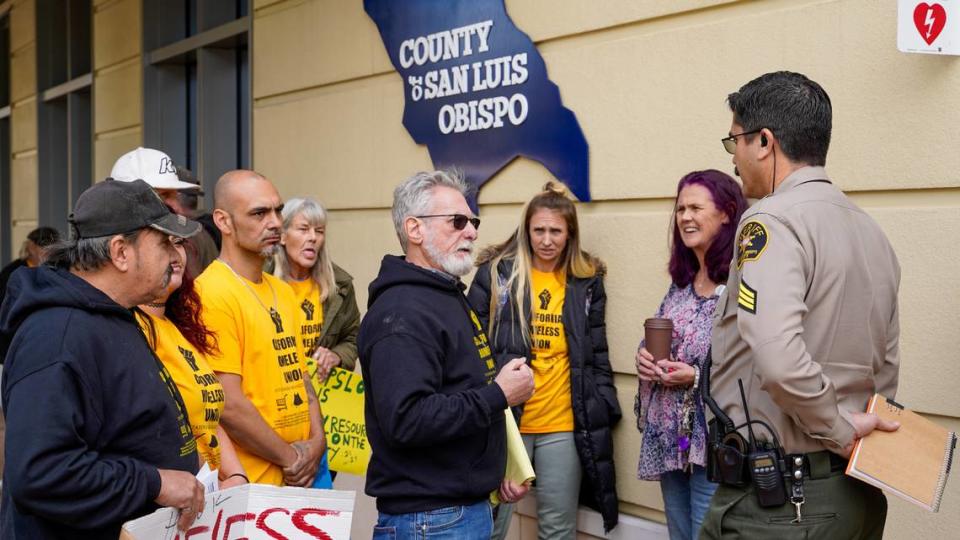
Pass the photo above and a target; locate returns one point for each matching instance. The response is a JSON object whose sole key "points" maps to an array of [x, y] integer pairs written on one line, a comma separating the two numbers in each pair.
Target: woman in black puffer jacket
{"points": [[546, 302]]}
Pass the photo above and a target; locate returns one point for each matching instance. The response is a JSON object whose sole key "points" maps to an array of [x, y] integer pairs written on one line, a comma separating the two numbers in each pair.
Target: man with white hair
{"points": [[434, 401]]}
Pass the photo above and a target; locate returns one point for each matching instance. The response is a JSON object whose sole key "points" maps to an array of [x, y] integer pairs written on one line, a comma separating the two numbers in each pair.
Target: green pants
{"points": [[557, 465], [836, 506]]}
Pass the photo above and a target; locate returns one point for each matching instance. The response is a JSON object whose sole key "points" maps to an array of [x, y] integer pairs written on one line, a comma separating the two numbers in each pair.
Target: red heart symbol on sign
{"points": [[929, 20]]}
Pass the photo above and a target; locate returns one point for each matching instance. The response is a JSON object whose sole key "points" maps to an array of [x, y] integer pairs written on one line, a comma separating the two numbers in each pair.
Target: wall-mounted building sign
{"points": [[477, 92], [928, 27]]}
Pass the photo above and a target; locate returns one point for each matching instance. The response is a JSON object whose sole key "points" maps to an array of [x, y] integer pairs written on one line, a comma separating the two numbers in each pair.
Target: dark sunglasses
{"points": [[459, 220]]}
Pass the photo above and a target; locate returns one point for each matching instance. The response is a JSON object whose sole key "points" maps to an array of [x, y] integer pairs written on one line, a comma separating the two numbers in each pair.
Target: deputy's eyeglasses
{"points": [[730, 143], [459, 220]]}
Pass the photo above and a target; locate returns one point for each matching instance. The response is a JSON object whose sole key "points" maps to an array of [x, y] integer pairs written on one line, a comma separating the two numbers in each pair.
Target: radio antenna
{"points": [[746, 412], [708, 399]]}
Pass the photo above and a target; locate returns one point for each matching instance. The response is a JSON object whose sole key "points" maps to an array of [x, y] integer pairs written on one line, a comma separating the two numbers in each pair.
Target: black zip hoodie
{"points": [[434, 418], [90, 418]]}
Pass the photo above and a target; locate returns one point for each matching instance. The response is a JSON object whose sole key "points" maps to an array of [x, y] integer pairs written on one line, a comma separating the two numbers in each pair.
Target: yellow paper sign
{"points": [[341, 399], [519, 469]]}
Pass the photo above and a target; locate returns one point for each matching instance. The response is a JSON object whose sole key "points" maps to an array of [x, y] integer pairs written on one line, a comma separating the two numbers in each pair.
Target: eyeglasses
{"points": [[459, 220], [730, 143]]}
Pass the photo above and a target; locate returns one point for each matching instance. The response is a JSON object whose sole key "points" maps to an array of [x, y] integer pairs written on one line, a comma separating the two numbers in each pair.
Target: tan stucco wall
{"points": [[117, 82], [24, 209], [647, 81]]}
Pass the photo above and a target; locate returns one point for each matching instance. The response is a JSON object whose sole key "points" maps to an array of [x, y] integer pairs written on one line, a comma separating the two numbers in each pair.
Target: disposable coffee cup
{"points": [[658, 334]]}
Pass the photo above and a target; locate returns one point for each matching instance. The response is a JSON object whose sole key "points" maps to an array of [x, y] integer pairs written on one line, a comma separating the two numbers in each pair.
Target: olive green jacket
{"points": [[341, 320]]}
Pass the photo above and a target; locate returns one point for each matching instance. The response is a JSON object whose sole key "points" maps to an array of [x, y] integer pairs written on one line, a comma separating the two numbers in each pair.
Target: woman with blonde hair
{"points": [[540, 296], [324, 291]]}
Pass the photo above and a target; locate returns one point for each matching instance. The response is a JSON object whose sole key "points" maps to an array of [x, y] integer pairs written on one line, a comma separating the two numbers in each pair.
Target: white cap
{"points": [[152, 166]]}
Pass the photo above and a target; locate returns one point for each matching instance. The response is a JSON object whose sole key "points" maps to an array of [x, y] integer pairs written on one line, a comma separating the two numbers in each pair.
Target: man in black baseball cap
{"points": [[111, 440], [114, 207]]}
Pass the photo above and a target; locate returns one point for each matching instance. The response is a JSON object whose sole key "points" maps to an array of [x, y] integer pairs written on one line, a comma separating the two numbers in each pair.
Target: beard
{"points": [[456, 263], [269, 251]]}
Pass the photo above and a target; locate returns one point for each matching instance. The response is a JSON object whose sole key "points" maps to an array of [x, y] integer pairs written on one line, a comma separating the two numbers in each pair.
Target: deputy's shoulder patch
{"points": [[747, 297], [751, 242]]}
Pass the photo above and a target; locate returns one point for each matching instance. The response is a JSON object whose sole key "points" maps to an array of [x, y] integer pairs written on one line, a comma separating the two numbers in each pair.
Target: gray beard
{"points": [[449, 263], [269, 252]]}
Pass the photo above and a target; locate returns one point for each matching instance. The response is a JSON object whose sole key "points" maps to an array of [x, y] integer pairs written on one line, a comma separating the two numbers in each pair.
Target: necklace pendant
{"points": [[277, 321]]}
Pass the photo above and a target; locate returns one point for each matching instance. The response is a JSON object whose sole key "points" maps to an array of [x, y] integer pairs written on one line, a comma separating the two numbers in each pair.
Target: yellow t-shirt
{"points": [[262, 347], [550, 409], [311, 310], [199, 387]]}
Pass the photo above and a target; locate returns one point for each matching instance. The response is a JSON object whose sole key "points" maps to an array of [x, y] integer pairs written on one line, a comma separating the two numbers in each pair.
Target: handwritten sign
{"points": [[256, 512], [341, 399], [476, 90]]}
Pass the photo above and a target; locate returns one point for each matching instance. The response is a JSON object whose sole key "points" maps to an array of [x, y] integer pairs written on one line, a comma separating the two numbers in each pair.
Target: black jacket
{"points": [[594, 398], [434, 418], [5, 274], [89, 418]]}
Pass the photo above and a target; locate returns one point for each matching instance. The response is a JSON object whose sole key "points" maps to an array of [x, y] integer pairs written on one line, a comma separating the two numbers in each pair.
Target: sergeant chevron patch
{"points": [[747, 297]]}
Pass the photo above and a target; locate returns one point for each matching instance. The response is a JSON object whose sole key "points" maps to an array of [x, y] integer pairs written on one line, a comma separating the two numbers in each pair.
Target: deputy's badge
{"points": [[751, 242], [747, 297]]}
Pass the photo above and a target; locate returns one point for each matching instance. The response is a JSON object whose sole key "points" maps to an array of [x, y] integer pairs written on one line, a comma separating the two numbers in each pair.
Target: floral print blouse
{"points": [[659, 407]]}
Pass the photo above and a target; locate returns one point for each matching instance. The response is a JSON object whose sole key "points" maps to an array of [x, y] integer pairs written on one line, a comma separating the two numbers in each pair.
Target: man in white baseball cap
{"points": [[153, 167], [158, 170]]}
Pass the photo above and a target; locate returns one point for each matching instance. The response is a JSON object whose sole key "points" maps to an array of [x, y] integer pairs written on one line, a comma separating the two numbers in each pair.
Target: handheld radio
{"points": [[764, 466], [726, 459]]}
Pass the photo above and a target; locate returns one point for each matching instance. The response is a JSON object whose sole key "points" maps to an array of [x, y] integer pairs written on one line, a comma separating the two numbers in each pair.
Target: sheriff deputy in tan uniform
{"points": [[808, 321]]}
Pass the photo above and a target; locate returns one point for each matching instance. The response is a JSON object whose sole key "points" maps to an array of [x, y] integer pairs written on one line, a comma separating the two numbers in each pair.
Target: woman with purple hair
{"points": [[669, 408]]}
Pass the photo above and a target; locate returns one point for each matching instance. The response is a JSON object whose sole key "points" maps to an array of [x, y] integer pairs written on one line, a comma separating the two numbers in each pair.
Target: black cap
{"points": [[112, 207], [186, 175]]}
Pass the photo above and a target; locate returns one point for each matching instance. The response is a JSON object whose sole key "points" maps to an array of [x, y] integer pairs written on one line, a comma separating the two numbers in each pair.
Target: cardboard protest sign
{"points": [[256, 512], [341, 399]]}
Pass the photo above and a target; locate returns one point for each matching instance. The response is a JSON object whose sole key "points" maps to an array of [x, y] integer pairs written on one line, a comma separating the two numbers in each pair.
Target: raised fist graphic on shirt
{"points": [[544, 299]]}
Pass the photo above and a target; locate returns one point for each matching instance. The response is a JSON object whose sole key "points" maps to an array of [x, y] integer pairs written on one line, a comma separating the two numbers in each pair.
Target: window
{"points": [[64, 122], [197, 84], [6, 221]]}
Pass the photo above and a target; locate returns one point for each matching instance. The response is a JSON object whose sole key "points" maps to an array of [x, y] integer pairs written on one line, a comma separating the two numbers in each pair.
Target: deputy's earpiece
{"points": [[763, 140]]}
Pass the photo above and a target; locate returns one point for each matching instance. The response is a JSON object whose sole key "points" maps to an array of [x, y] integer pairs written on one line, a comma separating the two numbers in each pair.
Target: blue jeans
{"points": [[474, 522], [686, 499]]}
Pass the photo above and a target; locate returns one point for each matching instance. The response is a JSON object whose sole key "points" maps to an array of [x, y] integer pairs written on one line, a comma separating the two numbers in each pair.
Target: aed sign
{"points": [[928, 27]]}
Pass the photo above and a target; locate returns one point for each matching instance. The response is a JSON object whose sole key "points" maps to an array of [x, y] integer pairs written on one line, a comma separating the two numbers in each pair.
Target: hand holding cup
{"points": [[646, 368]]}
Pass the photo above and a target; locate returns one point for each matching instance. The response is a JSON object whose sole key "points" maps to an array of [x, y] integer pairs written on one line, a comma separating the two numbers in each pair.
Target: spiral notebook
{"points": [[912, 463]]}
